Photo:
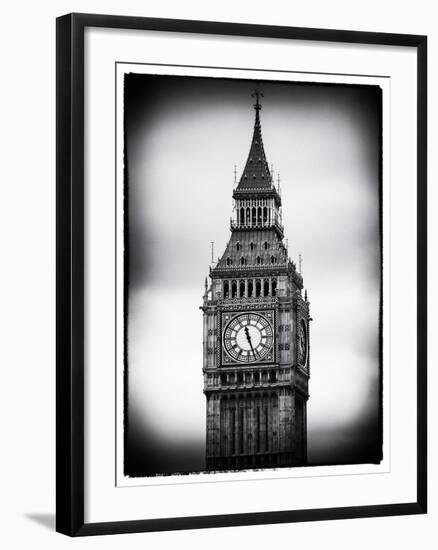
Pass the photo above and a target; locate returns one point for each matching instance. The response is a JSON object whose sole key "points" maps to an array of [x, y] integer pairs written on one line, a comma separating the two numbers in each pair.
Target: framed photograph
{"points": [[241, 274]]}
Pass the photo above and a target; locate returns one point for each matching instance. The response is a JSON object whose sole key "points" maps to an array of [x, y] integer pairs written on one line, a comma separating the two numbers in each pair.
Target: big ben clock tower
{"points": [[256, 333]]}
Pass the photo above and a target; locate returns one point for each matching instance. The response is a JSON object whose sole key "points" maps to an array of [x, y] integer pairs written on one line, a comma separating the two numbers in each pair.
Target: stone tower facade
{"points": [[256, 333]]}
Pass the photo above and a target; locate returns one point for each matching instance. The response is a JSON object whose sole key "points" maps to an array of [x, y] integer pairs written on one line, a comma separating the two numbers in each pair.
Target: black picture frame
{"points": [[70, 273]]}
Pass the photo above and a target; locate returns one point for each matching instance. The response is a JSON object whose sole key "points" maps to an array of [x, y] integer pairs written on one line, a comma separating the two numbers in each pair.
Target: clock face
{"points": [[302, 343], [248, 338]]}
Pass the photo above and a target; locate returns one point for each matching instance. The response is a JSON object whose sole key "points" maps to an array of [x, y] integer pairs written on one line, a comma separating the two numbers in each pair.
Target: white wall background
{"points": [[27, 394]]}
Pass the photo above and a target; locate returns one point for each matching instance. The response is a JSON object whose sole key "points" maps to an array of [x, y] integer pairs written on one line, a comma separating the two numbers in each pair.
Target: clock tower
{"points": [[256, 333]]}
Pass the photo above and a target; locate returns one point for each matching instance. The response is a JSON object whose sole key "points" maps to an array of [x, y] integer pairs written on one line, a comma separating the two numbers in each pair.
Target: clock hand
{"points": [[248, 337]]}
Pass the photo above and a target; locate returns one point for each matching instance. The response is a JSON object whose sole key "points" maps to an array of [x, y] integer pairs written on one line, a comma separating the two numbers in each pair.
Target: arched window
{"points": [[226, 289], [250, 289], [237, 246], [259, 215], [272, 259], [266, 287], [242, 216], [252, 245], [254, 214], [248, 216], [233, 289], [241, 289], [265, 214], [266, 245], [258, 288], [274, 287], [242, 261], [229, 261], [259, 260], [240, 378]]}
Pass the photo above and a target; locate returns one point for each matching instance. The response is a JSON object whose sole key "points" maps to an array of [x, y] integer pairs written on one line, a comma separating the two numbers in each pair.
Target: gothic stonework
{"points": [[256, 334]]}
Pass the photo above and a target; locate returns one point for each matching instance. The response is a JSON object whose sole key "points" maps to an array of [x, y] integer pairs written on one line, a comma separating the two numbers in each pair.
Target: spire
{"points": [[256, 174], [257, 105]]}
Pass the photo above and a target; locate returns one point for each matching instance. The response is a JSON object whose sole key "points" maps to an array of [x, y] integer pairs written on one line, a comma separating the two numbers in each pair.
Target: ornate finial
{"points": [[300, 262], [212, 252], [235, 173], [257, 94], [278, 183], [305, 294]]}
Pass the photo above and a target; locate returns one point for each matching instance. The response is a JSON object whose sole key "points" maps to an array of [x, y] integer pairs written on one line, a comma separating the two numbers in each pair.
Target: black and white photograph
{"points": [[241, 287], [252, 273]]}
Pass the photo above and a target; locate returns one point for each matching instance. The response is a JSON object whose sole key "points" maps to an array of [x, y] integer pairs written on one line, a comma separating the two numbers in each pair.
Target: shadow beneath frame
{"points": [[46, 520]]}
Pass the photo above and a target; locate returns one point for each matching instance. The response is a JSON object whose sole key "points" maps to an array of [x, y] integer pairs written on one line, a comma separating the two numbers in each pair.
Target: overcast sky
{"points": [[183, 138]]}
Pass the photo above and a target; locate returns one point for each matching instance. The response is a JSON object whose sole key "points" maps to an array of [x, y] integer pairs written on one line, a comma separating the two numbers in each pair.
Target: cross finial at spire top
{"points": [[257, 94]]}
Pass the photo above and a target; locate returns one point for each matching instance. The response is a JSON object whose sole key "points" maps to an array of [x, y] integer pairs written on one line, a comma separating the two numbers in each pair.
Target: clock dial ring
{"points": [[248, 338], [303, 345]]}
